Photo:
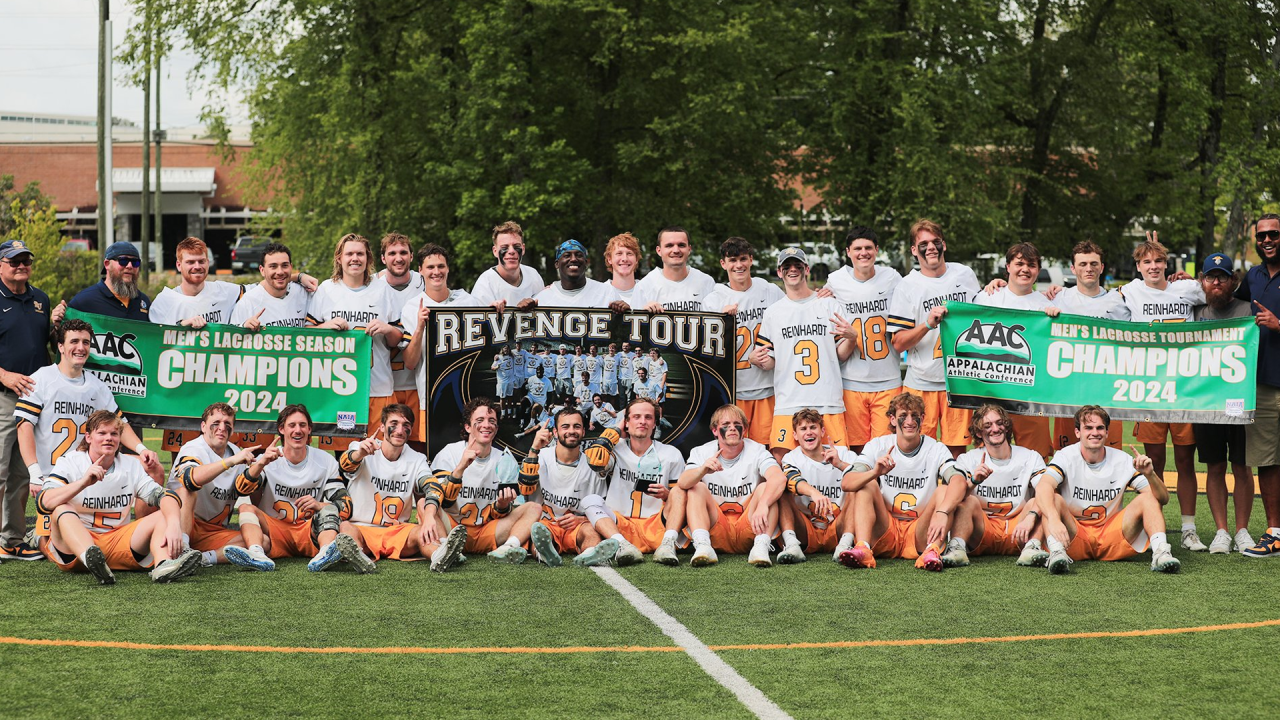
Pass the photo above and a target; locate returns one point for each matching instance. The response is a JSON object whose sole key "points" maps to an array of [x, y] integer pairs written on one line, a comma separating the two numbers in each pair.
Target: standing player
{"points": [[504, 369], [609, 374], [732, 486], [815, 518], [583, 391], [564, 372], [675, 285], [195, 301], [476, 484], [1081, 495], [403, 283], [1153, 298], [299, 491], [797, 344], [622, 260], [895, 480], [509, 282], [573, 288], [277, 301], [538, 387], [870, 375], [88, 496], [626, 372], [918, 304], [746, 298]]}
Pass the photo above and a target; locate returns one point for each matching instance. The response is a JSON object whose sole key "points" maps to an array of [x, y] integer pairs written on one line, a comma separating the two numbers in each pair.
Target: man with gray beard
{"points": [[117, 295]]}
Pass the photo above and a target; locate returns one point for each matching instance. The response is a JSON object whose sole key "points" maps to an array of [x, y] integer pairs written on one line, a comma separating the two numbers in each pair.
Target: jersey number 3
{"points": [[808, 352]]}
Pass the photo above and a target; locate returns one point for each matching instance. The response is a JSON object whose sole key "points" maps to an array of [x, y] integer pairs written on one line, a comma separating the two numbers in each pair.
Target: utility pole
{"points": [[159, 137], [145, 234], [105, 219]]}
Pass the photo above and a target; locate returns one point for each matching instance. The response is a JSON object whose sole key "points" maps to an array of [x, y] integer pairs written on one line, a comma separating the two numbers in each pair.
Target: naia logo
{"points": [[992, 353]]}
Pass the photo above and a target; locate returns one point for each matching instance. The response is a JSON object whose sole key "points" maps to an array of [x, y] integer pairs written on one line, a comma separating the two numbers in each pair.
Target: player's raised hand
{"points": [[271, 454], [254, 324], [842, 329], [367, 447], [244, 456], [469, 454], [983, 471], [542, 439], [151, 464], [885, 463], [1264, 318], [58, 313], [424, 312], [830, 454], [97, 470], [1141, 462], [712, 464], [1153, 236]]}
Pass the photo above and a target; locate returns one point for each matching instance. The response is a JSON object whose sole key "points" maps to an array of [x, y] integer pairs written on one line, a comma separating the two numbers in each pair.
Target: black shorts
{"points": [[1219, 443]]}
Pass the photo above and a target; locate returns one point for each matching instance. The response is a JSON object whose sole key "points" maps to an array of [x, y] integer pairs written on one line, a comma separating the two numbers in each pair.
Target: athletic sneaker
{"points": [[791, 554], [1162, 559], [253, 559], [840, 548], [1268, 546], [446, 556], [759, 555], [1058, 562], [183, 565], [350, 551], [703, 555], [601, 554], [1221, 544], [513, 554], [545, 545], [859, 556], [96, 563], [1243, 540], [327, 556], [1191, 541], [930, 560], [956, 555], [666, 553], [1032, 555], [20, 550], [628, 554]]}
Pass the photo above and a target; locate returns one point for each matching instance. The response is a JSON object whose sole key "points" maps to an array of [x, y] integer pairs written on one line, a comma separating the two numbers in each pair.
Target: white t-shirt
{"points": [[806, 371], [480, 483], [912, 300], [1009, 485], [57, 408], [594, 294], [753, 383], [216, 499], [288, 311], [104, 505], [636, 298], [561, 488], [1093, 493], [402, 378], [1106, 304], [686, 294], [490, 287], [823, 476], [409, 321], [382, 490], [359, 307], [1176, 303], [911, 482], [318, 476], [660, 465], [215, 303], [741, 475], [874, 368], [1005, 298]]}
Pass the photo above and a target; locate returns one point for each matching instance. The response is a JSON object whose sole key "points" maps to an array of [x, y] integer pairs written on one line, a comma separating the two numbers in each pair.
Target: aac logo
{"points": [[994, 341], [115, 353]]}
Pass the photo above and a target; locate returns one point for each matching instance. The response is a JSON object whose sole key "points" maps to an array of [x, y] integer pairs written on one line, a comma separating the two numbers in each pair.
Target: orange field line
{"points": [[912, 642]]}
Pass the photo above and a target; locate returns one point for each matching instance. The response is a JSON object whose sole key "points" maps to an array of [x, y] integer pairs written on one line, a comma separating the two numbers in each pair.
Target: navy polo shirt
{"points": [[1264, 287], [99, 300], [24, 330]]}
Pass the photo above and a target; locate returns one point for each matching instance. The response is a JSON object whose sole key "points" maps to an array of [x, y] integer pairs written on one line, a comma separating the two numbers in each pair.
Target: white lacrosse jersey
{"points": [[594, 294], [104, 505], [1176, 303], [874, 368], [753, 383], [686, 294], [409, 321], [215, 302], [57, 408], [480, 482], [1093, 493], [382, 490], [318, 475], [823, 476], [288, 311], [913, 479], [1106, 304], [490, 287], [402, 378], [661, 465], [360, 307], [806, 371], [912, 300], [1005, 298], [561, 488], [216, 499], [1010, 483], [741, 475]]}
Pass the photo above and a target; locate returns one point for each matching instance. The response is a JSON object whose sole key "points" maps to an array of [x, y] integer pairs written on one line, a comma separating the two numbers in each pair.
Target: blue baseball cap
{"points": [[569, 246], [121, 249], [1217, 261], [14, 248]]}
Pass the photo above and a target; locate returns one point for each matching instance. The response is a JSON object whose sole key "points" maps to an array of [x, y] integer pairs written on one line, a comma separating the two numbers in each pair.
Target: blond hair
{"points": [[337, 256]]}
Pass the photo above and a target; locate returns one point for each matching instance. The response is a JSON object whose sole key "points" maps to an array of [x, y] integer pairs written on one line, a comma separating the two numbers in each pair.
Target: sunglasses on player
{"points": [[1267, 235]]}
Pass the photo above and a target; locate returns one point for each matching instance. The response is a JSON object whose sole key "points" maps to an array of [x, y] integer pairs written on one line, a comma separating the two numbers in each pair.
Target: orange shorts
{"points": [[821, 539], [997, 539], [289, 539], [726, 536], [340, 444], [209, 536], [114, 545], [481, 539], [781, 435], [566, 540], [898, 540], [1064, 433], [1156, 432], [387, 541], [946, 424], [1105, 541], [1033, 433], [645, 533], [864, 415], [759, 418]]}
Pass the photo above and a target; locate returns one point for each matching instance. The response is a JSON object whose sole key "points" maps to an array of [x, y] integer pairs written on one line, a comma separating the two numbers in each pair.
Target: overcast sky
{"points": [[48, 63]]}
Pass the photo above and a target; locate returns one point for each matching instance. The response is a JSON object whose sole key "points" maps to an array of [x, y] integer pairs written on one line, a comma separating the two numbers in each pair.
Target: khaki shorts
{"points": [[1262, 436]]}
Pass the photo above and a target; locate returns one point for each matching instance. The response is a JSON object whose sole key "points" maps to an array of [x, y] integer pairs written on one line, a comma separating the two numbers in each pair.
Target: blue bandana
{"points": [[569, 246]]}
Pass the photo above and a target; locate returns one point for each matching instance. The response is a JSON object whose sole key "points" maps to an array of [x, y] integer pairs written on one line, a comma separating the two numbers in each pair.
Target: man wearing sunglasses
{"points": [[117, 295], [25, 322]]}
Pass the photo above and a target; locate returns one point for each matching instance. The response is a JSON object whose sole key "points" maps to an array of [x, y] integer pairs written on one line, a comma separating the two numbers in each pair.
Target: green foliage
{"points": [[60, 275]]}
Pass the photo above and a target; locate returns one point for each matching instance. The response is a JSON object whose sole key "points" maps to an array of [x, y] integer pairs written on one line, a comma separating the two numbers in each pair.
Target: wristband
{"points": [[139, 448], [944, 512], [33, 470], [225, 466]]}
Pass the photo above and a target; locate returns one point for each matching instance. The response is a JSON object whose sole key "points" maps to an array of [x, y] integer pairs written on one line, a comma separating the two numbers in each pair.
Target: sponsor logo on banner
{"points": [[993, 353], [117, 362]]}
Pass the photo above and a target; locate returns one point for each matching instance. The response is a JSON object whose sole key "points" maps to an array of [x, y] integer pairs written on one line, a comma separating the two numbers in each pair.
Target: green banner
{"points": [[166, 375], [1033, 364]]}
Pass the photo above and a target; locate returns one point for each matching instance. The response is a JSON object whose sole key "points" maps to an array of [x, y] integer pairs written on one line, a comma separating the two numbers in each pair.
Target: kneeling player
{"points": [[204, 478], [812, 519], [88, 496], [733, 485], [475, 484], [382, 478], [993, 506], [299, 491], [894, 481], [1081, 494]]}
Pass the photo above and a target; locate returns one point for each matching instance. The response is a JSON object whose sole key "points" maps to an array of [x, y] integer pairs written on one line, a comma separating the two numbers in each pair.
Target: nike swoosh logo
{"points": [[8, 309]]}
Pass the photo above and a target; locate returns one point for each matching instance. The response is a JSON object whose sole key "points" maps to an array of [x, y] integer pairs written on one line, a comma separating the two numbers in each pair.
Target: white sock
{"points": [[1033, 543], [1273, 531], [438, 554], [1054, 544], [618, 536], [1188, 522], [670, 536], [257, 548], [789, 537], [961, 543], [511, 542], [1158, 540], [82, 560], [208, 558], [186, 541], [847, 539], [762, 539], [323, 548], [701, 537]]}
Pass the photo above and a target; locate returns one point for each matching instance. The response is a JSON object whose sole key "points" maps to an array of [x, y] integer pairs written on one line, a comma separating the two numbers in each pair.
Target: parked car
{"points": [[76, 245], [246, 254]]}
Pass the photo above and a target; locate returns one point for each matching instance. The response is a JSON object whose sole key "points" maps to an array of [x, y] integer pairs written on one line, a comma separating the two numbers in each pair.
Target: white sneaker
{"points": [[1221, 544], [955, 555], [1162, 559], [791, 554], [1191, 541], [759, 556], [666, 553], [350, 551], [628, 554], [252, 558], [1032, 555], [703, 555], [1058, 562], [1243, 540], [446, 556], [841, 547]]}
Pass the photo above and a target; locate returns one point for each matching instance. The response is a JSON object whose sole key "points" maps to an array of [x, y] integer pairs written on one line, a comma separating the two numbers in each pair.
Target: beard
{"points": [[1218, 296], [122, 289]]}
